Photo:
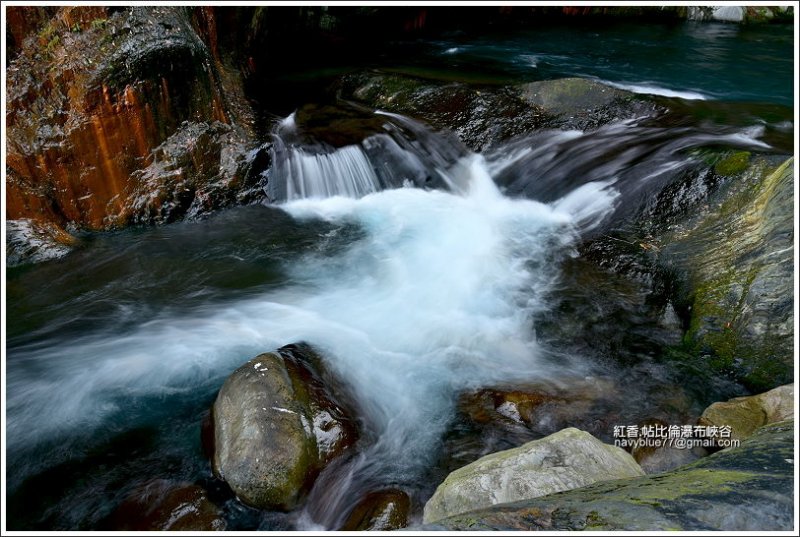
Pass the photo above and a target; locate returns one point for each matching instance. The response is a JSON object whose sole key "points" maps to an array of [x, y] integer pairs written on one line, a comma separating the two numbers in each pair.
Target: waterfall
{"points": [[344, 172], [405, 154], [412, 295]]}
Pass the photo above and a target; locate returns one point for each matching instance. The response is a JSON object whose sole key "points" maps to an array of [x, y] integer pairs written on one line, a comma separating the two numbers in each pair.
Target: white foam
{"points": [[650, 89], [436, 296]]}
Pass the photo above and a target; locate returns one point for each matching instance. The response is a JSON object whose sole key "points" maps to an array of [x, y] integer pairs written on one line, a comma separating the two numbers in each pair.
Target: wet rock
{"points": [[736, 258], [21, 22], [746, 488], [571, 96], [29, 241], [566, 460], [746, 414], [89, 99], [504, 417], [483, 116], [199, 168], [654, 460], [665, 457], [163, 505], [542, 407], [276, 425], [379, 511]]}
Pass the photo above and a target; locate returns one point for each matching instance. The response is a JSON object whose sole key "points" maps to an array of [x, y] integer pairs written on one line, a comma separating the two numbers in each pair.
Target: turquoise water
{"points": [[716, 61]]}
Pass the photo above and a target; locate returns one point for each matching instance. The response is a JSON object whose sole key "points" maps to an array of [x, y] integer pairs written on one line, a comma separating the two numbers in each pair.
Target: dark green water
{"points": [[714, 61]]}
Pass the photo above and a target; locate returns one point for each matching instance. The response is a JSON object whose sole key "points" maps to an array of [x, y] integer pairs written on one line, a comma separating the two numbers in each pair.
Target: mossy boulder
{"points": [[750, 487], [746, 414], [568, 459], [571, 95], [737, 261], [275, 427]]}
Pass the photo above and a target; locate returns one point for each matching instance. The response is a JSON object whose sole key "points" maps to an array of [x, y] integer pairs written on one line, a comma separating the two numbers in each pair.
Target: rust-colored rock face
{"points": [[91, 94]]}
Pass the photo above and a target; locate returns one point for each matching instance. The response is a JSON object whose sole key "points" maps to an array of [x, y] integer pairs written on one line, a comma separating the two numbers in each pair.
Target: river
{"points": [[420, 280]]}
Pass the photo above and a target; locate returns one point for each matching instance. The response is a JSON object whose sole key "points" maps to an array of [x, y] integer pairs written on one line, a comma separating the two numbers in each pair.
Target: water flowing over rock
{"points": [[483, 117], [618, 253], [162, 505], [746, 414], [275, 427], [756, 479], [379, 511], [355, 152], [562, 461]]}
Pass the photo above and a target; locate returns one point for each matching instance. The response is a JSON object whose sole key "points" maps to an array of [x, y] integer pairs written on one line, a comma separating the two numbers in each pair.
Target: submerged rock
{"points": [[483, 116], [739, 489], [275, 427], [163, 505], [746, 414], [562, 461], [379, 511], [503, 417]]}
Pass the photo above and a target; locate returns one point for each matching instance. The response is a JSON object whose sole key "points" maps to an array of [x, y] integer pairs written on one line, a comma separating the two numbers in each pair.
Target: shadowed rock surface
{"points": [[745, 488], [162, 505], [383, 510]]}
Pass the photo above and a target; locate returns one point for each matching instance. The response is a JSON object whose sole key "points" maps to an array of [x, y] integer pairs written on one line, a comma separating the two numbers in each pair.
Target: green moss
{"points": [[721, 281], [52, 44], [733, 164], [98, 24]]}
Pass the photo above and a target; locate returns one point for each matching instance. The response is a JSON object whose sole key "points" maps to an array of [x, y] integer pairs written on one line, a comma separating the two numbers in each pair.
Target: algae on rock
{"points": [[750, 487]]}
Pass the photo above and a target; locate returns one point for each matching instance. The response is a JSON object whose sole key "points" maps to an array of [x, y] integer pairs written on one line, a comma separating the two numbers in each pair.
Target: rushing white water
{"points": [[345, 172], [404, 153], [435, 297]]}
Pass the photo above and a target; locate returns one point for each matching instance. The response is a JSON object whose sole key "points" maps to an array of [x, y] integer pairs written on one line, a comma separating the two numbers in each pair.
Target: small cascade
{"points": [[344, 172], [399, 153]]}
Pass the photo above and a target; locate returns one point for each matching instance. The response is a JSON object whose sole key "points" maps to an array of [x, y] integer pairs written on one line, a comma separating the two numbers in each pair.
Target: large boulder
{"points": [[562, 461], [746, 414], [276, 425], [737, 259], [750, 487]]}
